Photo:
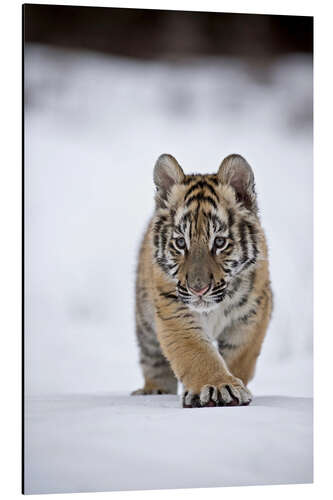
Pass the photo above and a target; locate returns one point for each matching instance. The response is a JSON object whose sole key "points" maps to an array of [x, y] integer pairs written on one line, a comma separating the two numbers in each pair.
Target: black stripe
{"points": [[162, 262], [219, 287], [158, 363], [169, 295], [228, 249], [245, 297], [163, 237], [175, 252], [181, 287], [214, 180], [248, 315], [173, 273], [190, 191], [174, 316], [259, 299], [172, 266], [201, 198], [248, 264], [252, 278], [243, 241], [200, 185], [146, 354], [191, 328], [217, 223], [218, 296], [226, 345], [231, 218], [211, 189], [156, 240], [207, 224], [189, 178], [146, 329], [253, 233], [240, 303], [158, 223], [172, 215], [235, 286], [228, 265], [196, 217]]}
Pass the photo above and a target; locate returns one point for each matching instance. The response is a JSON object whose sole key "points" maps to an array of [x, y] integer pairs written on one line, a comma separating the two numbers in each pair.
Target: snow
{"points": [[105, 442], [94, 127]]}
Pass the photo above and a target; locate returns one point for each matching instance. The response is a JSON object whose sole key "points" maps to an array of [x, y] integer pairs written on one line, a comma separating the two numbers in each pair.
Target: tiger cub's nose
{"points": [[199, 291]]}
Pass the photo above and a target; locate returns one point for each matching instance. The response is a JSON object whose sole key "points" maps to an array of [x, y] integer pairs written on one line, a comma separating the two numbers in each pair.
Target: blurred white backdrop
{"points": [[94, 126]]}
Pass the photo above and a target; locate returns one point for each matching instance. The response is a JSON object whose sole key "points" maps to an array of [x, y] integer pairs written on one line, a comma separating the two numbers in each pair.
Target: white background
{"points": [[8, 201]]}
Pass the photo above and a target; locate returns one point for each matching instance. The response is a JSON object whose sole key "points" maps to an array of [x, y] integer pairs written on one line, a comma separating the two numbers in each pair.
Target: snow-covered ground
{"points": [[94, 127], [99, 442]]}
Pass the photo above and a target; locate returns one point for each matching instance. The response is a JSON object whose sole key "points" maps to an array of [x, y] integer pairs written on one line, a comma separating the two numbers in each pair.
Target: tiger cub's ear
{"points": [[235, 171], [167, 172]]}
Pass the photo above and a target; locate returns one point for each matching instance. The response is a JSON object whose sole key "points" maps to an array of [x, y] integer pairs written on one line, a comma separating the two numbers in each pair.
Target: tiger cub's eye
{"points": [[219, 242], [180, 242]]}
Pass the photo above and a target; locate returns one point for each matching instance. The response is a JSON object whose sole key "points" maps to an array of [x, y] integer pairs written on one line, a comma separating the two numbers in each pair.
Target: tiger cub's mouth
{"points": [[208, 300]]}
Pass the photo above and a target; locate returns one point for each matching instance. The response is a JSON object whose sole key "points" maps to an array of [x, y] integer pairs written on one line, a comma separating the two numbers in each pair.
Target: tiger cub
{"points": [[203, 295]]}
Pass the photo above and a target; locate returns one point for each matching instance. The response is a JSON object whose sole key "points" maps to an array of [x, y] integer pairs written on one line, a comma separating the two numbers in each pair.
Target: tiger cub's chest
{"points": [[213, 323]]}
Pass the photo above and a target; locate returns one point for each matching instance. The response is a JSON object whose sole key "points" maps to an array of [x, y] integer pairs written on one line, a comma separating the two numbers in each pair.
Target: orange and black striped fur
{"points": [[203, 295]]}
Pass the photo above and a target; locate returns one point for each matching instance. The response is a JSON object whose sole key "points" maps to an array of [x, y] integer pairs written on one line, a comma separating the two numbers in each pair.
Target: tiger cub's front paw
{"points": [[228, 394]]}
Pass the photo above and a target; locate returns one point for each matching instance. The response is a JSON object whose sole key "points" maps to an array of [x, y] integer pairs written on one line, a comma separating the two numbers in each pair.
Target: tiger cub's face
{"points": [[205, 229]]}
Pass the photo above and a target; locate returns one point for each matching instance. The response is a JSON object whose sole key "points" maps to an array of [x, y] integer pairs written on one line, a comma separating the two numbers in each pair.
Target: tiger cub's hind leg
{"points": [[158, 375]]}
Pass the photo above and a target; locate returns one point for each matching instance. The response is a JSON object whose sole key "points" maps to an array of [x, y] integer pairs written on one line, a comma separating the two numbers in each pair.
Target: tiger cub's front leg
{"points": [[195, 360]]}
